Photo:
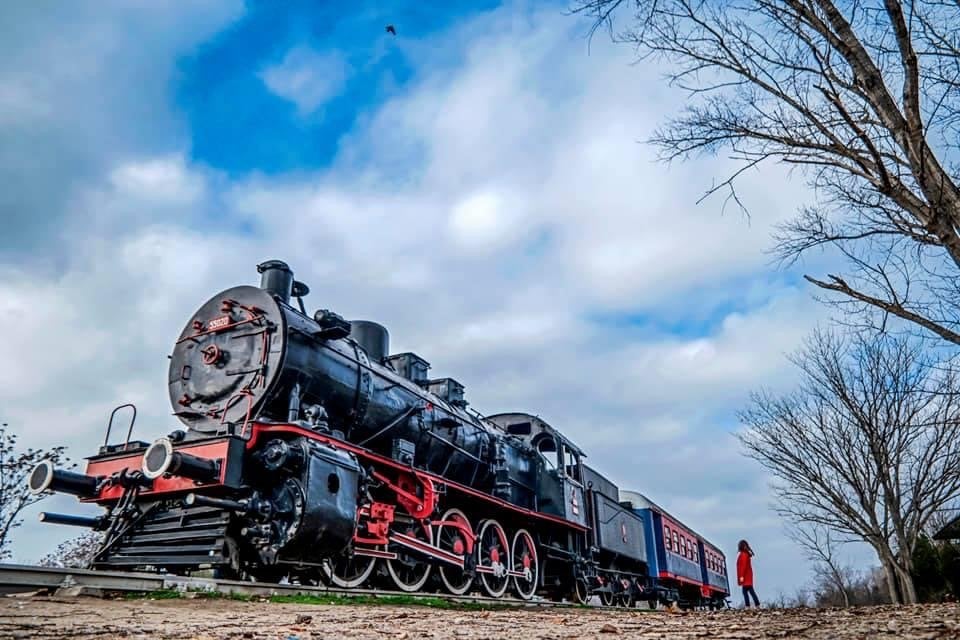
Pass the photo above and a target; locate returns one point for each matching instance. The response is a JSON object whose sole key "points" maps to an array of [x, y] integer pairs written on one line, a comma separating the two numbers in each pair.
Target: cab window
{"points": [[547, 448], [571, 464]]}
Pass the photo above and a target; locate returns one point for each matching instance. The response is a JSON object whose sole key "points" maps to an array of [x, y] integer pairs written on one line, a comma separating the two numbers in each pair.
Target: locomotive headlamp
{"points": [[160, 458], [157, 458], [44, 476]]}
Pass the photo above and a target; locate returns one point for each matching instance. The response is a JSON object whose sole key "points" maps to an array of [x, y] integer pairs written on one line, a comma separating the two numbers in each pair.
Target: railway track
{"points": [[19, 578]]}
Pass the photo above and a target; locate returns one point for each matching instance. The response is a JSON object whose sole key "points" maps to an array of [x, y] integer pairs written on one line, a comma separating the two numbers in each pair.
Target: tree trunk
{"points": [[891, 575], [902, 563], [907, 587], [841, 586]]}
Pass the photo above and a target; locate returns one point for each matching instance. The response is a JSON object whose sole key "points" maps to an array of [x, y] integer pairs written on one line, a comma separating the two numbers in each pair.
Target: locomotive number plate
{"points": [[218, 323]]}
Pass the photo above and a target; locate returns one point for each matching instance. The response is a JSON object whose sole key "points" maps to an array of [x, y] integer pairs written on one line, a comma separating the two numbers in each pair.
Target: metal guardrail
{"points": [[19, 578]]}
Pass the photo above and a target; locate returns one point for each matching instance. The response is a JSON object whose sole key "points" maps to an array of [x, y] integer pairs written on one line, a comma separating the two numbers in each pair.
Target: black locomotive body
{"points": [[310, 452]]}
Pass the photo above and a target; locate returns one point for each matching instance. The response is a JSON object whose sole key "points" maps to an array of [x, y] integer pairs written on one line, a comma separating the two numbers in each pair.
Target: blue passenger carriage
{"points": [[683, 566]]}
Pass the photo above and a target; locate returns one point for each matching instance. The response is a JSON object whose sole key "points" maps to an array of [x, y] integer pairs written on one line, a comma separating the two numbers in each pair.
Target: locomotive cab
{"points": [[560, 490]]}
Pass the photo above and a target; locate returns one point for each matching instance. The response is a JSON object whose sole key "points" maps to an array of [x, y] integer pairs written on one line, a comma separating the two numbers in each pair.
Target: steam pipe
{"points": [[195, 500], [74, 521]]}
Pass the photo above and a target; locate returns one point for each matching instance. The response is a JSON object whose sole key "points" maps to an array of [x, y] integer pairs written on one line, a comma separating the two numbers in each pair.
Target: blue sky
{"points": [[474, 183], [240, 126]]}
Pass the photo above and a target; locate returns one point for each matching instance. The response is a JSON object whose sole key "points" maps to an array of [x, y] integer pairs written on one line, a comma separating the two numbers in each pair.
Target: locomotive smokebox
{"points": [[373, 337], [276, 278]]}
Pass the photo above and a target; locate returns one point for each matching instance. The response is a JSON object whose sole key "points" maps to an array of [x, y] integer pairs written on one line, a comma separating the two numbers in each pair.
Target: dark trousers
{"points": [[748, 591]]}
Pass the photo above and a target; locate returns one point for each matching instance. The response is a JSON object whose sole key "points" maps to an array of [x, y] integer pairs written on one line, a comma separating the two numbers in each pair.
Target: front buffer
{"points": [[213, 503]]}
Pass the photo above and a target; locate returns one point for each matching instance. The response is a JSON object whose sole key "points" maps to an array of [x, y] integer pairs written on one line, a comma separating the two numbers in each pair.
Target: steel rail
{"points": [[19, 578]]}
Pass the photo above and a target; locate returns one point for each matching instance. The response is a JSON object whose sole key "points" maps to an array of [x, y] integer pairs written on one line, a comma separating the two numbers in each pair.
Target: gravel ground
{"points": [[84, 617]]}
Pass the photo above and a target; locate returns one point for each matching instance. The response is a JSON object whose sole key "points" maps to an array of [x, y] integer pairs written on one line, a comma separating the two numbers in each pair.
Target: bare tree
{"points": [[14, 497], [77, 552], [868, 446], [863, 588], [821, 546], [863, 96], [799, 600]]}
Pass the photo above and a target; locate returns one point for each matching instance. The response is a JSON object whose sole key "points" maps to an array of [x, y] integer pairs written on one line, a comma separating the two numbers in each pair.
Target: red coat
{"points": [[744, 570]]}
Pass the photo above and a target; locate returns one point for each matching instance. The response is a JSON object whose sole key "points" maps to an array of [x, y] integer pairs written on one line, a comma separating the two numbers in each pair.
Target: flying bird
{"points": [[390, 29]]}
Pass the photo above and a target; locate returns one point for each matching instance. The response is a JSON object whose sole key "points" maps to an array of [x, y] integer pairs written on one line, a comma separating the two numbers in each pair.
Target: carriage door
{"points": [[573, 495]]}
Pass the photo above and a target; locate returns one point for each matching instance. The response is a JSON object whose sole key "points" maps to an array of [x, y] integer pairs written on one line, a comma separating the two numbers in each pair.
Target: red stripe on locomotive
{"points": [[164, 484]]}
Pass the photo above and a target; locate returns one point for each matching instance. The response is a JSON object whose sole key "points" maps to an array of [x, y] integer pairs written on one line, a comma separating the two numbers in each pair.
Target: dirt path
{"points": [[83, 618]]}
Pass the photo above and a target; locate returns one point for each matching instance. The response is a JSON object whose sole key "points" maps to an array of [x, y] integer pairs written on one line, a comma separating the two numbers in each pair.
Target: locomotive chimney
{"points": [[372, 337], [276, 278]]}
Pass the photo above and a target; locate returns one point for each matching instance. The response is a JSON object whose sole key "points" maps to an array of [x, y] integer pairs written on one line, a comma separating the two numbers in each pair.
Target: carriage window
{"points": [[683, 547], [676, 543], [666, 536]]}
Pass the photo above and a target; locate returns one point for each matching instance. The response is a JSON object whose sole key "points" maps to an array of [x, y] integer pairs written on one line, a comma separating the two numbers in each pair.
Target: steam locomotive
{"points": [[311, 453]]}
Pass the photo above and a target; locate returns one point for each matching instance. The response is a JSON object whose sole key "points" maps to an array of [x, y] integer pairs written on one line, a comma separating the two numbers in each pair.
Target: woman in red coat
{"points": [[745, 574]]}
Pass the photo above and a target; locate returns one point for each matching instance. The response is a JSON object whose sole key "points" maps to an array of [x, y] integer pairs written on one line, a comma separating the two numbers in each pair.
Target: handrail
{"points": [[133, 419]]}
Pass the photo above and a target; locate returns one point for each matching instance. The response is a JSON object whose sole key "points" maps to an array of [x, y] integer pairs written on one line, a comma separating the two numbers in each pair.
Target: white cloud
{"points": [[307, 77], [505, 204], [479, 221], [84, 88], [165, 179]]}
